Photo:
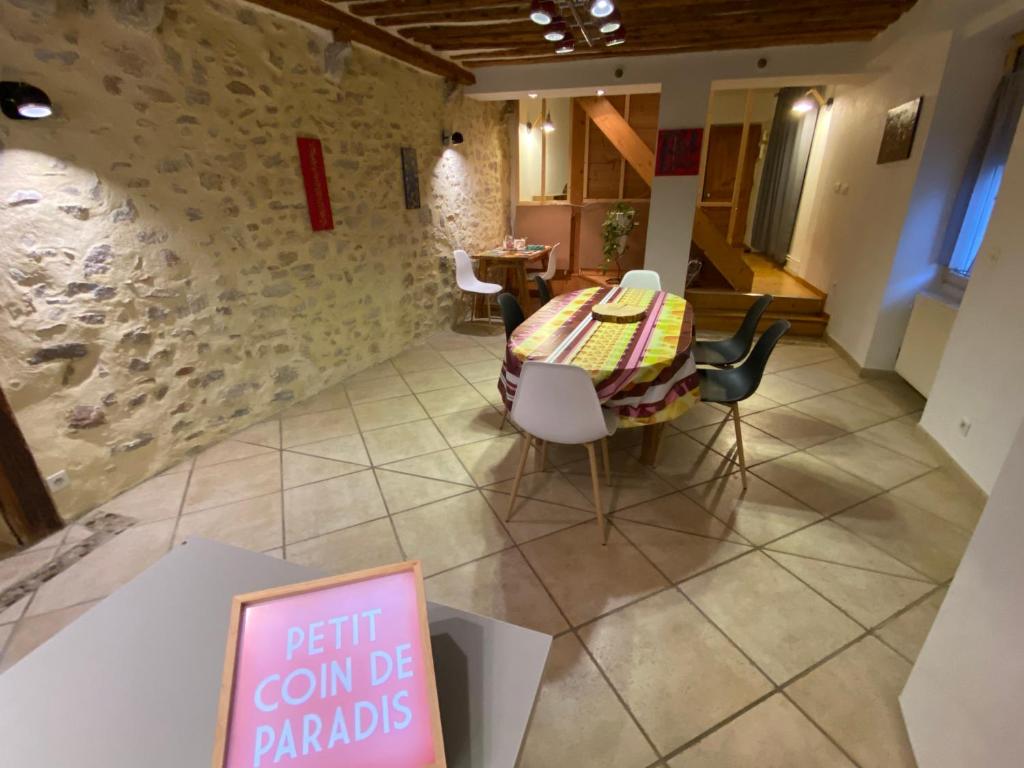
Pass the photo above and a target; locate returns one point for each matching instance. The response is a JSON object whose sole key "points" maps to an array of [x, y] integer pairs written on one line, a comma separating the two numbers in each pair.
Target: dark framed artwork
{"points": [[900, 127], [410, 178], [679, 152]]}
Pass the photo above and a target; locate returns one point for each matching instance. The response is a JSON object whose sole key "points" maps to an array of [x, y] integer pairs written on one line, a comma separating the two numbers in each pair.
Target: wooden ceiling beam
{"points": [[347, 27], [495, 15], [393, 7]]}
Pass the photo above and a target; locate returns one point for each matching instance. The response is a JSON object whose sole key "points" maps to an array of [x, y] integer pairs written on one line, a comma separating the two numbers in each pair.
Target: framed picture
{"points": [[410, 178], [679, 152], [900, 127], [332, 672]]}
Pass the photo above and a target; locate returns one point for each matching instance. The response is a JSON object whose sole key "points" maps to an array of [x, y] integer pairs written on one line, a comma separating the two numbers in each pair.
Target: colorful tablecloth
{"points": [[644, 370]]}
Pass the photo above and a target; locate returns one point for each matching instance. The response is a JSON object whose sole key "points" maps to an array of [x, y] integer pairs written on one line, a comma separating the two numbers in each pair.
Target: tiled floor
{"points": [[719, 627]]}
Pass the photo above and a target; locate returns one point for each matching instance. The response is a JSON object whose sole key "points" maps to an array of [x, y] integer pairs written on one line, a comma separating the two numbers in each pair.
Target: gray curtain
{"points": [[782, 177]]}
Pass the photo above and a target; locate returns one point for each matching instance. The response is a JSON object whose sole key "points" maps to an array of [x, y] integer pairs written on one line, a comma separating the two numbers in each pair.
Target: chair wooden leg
{"points": [[504, 418], [596, 485], [607, 461], [542, 456], [487, 301], [519, 475], [739, 444]]}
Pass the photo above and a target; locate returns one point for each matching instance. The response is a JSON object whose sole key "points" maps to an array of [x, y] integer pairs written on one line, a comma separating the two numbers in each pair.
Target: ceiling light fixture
{"points": [[542, 12], [615, 38], [21, 101], [610, 23], [600, 9], [566, 46], [455, 137], [557, 30], [532, 95], [548, 126], [600, 91]]}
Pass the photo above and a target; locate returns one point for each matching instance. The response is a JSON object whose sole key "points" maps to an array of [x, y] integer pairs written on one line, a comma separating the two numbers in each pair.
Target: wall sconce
{"points": [[21, 101], [451, 138], [811, 100]]}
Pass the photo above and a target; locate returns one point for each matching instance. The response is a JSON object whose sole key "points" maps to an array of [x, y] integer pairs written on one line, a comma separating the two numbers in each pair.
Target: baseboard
{"points": [[862, 372]]}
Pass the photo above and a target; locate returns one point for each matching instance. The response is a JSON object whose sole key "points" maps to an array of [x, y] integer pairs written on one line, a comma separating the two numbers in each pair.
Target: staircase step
{"points": [[740, 302], [726, 320]]}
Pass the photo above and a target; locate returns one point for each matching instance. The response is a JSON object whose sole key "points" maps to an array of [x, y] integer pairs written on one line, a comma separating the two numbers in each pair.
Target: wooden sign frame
{"points": [[242, 602]]}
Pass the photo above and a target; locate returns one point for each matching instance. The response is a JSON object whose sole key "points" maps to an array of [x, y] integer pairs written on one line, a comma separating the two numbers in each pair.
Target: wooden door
{"points": [[28, 511], [720, 171]]}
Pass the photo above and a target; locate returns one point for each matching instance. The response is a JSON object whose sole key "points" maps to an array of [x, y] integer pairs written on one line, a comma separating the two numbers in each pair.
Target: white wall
{"points": [[982, 370], [964, 699], [803, 258]]}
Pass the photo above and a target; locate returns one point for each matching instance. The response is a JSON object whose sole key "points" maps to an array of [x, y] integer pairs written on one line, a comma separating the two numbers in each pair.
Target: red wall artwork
{"points": [[318, 198], [679, 152]]}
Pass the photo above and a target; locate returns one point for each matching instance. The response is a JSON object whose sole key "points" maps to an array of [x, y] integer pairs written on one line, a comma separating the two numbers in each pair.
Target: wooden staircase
{"points": [[724, 311]]}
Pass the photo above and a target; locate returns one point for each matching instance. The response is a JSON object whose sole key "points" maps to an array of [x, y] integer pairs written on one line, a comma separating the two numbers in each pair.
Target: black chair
{"points": [[728, 352], [511, 313], [730, 386], [543, 289]]}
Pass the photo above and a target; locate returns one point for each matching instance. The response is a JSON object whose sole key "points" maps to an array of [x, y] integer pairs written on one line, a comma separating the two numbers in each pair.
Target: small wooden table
{"points": [[515, 261]]}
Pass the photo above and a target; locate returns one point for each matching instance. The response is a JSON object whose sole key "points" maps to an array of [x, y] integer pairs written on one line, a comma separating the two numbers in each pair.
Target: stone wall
{"points": [[160, 286]]}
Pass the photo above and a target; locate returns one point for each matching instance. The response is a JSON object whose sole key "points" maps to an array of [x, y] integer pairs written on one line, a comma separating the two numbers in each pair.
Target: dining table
{"points": [[643, 368], [512, 262]]}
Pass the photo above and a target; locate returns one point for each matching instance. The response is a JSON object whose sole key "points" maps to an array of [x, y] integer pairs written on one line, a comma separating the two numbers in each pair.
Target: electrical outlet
{"points": [[58, 481], [965, 427]]}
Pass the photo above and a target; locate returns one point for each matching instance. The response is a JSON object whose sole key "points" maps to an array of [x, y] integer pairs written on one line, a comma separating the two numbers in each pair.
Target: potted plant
{"points": [[618, 223]]}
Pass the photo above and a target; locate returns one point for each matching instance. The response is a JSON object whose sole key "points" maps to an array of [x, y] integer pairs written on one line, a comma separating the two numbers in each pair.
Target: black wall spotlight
{"points": [[21, 101], [455, 137]]}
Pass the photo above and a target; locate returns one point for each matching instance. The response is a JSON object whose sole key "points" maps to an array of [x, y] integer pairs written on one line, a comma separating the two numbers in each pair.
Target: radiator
{"points": [[931, 321]]}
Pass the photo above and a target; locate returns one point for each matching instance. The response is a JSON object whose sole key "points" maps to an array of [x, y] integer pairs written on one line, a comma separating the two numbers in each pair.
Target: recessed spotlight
{"points": [[566, 46], [610, 23], [542, 12], [532, 95], [599, 9], [21, 101], [557, 30], [616, 38]]}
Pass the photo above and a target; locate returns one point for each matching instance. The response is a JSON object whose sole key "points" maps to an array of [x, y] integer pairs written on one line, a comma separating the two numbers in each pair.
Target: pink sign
{"points": [[335, 672]]}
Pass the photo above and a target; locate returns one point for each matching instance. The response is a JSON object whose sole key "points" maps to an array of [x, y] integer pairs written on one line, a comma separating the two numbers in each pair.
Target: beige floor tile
{"points": [[254, 524], [754, 404], [904, 436], [315, 427], [819, 377], [5, 633], [679, 513], [366, 545], [154, 499], [466, 355], [380, 371], [403, 442], [488, 390], [632, 482], [419, 359], [17, 567], [501, 586], [266, 433], [328, 399], [839, 412], [532, 518], [868, 461], [230, 450], [588, 579], [183, 466], [759, 513], [106, 568], [377, 389], [492, 461], [674, 670], [792, 426], [233, 481], [853, 697], [485, 370], [684, 462], [819, 484], [947, 495], [578, 720], [450, 532], [774, 734], [441, 402], [300, 469], [794, 355], [758, 446], [349, 449], [473, 426], [428, 381], [35, 630], [277, 552], [868, 597], [319, 508], [441, 465], [785, 391], [699, 415], [923, 541], [447, 340], [14, 612], [550, 486], [893, 398], [828, 541], [377, 414], [907, 632], [402, 492], [779, 622], [679, 555]]}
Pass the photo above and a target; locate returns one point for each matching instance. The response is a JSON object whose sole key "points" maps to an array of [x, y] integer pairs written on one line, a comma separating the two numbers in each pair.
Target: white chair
{"points": [[549, 272], [558, 404], [468, 282], [641, 278]]}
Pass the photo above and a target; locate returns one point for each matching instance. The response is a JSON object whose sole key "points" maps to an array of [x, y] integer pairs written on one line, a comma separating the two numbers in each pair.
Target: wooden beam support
{"points": [[348, 28], [621, 134]]}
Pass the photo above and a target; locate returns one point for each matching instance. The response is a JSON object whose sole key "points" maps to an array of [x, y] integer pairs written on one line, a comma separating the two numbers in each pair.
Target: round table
{"points": [[644, 370]]}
